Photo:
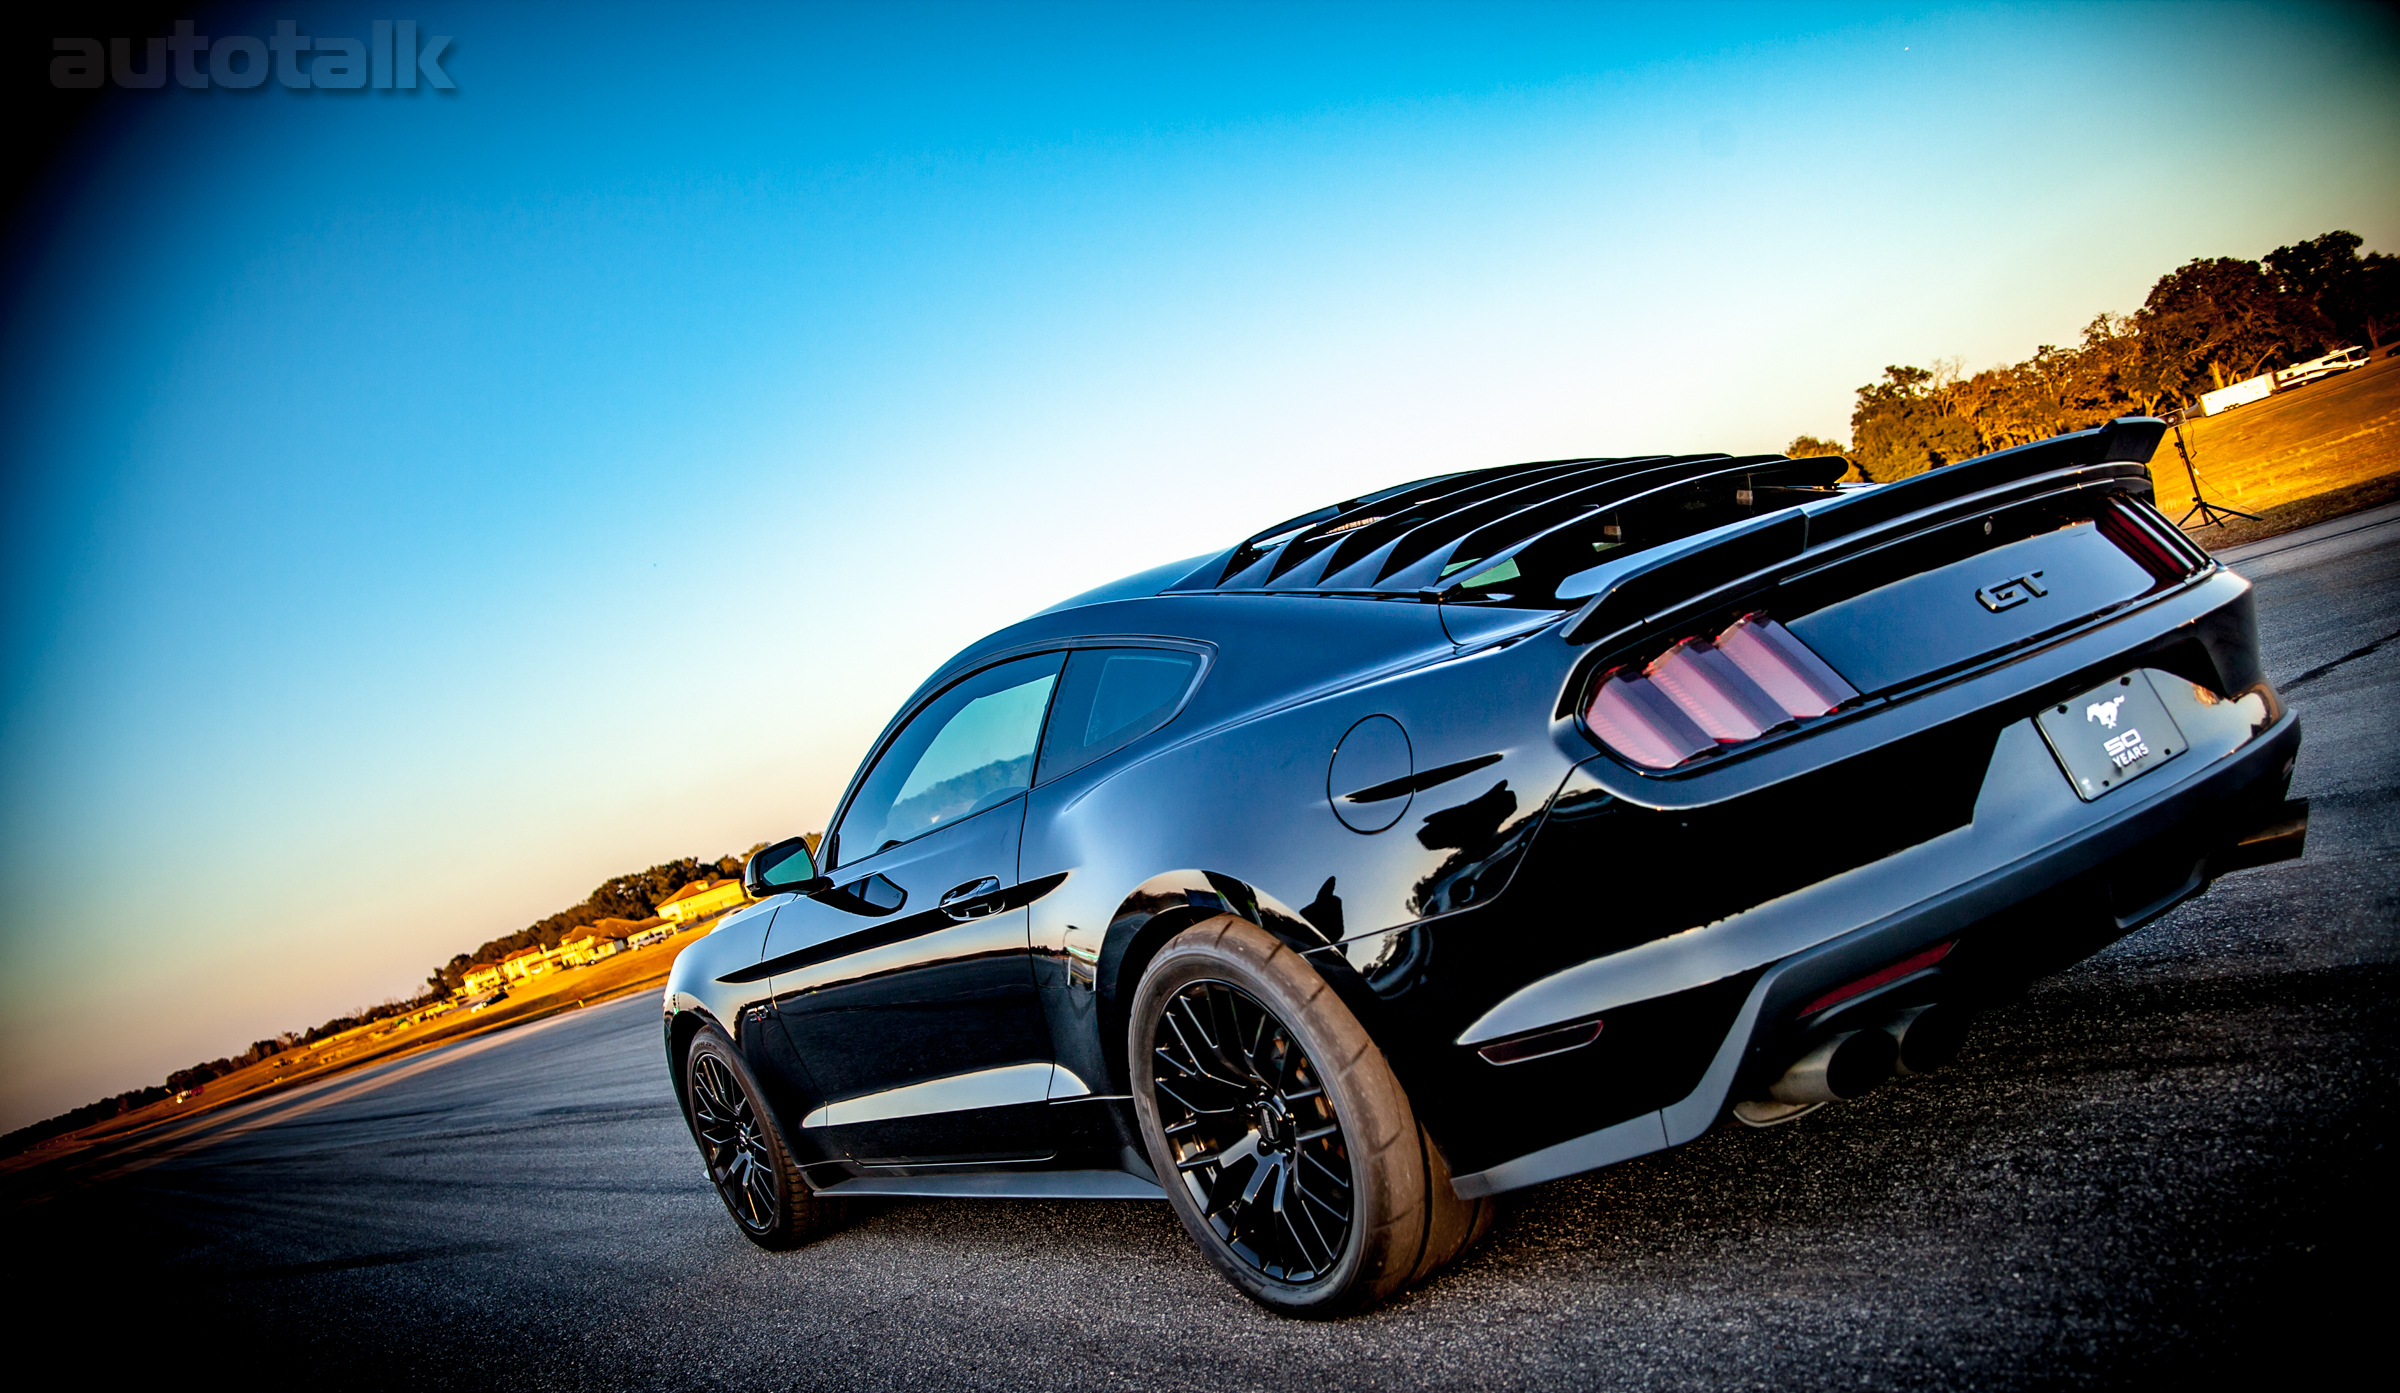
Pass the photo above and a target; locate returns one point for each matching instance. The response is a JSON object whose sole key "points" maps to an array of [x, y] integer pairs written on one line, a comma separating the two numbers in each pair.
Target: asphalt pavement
{"points": [[2171, 1164]]}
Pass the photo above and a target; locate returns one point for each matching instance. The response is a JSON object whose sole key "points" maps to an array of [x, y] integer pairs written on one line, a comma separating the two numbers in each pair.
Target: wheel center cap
{"points": [[1274, 1124]]}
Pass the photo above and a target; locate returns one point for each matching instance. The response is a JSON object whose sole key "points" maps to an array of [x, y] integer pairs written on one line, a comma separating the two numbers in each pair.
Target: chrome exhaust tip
{"points": [[2281, 835], [1926, 1038], [1847, 1066]]}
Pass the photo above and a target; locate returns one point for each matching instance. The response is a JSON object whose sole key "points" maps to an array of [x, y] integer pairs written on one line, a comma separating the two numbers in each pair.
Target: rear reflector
{"points": [[1702, 694], [1913, 963], [1557, 1039]]}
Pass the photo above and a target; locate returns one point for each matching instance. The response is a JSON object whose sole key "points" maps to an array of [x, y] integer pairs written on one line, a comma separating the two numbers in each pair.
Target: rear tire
{"points": [[742, 1147], [1284, 1142]]}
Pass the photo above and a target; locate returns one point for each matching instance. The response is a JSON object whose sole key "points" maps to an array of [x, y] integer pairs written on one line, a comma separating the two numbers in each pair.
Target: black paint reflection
{"points": [[1325, 912], [1489, 839]]}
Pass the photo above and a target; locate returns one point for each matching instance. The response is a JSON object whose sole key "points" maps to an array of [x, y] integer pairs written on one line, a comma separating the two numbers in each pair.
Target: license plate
{"points": [[2111, 735]]}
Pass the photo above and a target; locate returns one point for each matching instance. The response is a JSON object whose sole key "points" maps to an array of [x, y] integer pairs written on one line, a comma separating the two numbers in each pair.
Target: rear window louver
{"points": [[1436, 536]]}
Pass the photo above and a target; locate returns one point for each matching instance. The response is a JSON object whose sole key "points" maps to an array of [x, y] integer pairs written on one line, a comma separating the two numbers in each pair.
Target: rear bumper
{"points": [[2037, 879]]}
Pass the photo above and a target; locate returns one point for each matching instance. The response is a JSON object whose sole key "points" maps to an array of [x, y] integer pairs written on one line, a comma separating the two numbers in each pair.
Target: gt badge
{"points": [[2009, 594]]}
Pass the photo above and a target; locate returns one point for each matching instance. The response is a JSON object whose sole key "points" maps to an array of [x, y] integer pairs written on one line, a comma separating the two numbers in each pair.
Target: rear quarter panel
{"points": [[1228, 807]]}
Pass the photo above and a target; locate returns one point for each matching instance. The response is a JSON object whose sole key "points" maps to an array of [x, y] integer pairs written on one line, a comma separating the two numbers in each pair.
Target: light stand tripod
{"points": [[2210, 514]]}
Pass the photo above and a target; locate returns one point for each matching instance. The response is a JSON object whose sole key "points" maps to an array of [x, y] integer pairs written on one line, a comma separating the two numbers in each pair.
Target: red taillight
{"points": [[1783, 667], [1718, 696], [1704, 693], [1636, 720], [2144, 534]]}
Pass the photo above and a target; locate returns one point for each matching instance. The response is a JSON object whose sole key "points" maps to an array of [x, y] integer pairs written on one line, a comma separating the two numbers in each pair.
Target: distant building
{"points": [[606, 939], [533, 962], [700, 899], [589, 949]]}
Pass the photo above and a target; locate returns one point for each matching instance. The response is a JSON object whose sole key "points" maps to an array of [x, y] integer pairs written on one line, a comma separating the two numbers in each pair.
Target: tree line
{"points": [[633, 896], [2207, 324]]}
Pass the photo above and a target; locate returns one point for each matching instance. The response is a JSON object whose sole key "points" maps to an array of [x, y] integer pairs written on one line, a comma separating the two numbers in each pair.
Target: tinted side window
{"points": [[1110, 698], [971, 748]]}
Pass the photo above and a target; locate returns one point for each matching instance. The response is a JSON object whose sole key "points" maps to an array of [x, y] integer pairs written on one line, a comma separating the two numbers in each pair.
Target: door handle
{"points": [[973, 900]]}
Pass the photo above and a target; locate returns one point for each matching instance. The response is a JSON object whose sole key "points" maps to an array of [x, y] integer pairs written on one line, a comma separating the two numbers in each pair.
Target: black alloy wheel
{"points": [[734, 1144], [744, 1151], [1286, 1146], [1255, 1141]]}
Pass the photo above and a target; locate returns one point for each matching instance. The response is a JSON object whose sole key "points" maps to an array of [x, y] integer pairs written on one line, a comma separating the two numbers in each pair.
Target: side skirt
{"points": [[1018, 1185]]}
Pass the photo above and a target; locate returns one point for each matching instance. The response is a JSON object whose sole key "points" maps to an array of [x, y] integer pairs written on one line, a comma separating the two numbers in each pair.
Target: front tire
{"points": [[743, 1149], [1284, 1142]]}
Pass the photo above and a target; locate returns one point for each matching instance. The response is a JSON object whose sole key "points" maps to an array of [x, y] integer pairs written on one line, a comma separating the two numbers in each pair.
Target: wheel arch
{"points": [[683, 1023], [1164, 906]]}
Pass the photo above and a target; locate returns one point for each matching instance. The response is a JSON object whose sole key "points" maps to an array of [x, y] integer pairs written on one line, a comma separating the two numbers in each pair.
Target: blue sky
{"points": [[421, 506]]}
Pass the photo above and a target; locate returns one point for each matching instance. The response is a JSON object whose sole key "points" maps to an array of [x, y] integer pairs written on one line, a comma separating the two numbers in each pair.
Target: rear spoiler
{"points": [[1651, 587]]}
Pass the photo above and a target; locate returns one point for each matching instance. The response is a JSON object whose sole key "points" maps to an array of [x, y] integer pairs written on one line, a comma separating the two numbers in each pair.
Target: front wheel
{"points": [[744, 1151], [1287, 1147]]}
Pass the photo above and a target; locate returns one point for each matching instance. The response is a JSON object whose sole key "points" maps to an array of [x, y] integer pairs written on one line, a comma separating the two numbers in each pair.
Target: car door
{"points": [[906, 991]]}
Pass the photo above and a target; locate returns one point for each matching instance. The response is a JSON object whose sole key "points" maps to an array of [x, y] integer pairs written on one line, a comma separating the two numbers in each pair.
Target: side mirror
{"points": [[786, 867]]}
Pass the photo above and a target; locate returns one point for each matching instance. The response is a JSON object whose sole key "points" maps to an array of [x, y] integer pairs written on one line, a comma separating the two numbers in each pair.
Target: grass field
{"points": [[548, 994], [2336, 441]]}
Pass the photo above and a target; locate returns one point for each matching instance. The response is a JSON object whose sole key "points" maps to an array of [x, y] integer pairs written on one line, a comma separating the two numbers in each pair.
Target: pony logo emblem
{"points": [[2105, 712]]}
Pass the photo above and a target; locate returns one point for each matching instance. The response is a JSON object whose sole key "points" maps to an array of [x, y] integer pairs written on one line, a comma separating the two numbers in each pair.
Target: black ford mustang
{"points": [[1481, 831]]}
